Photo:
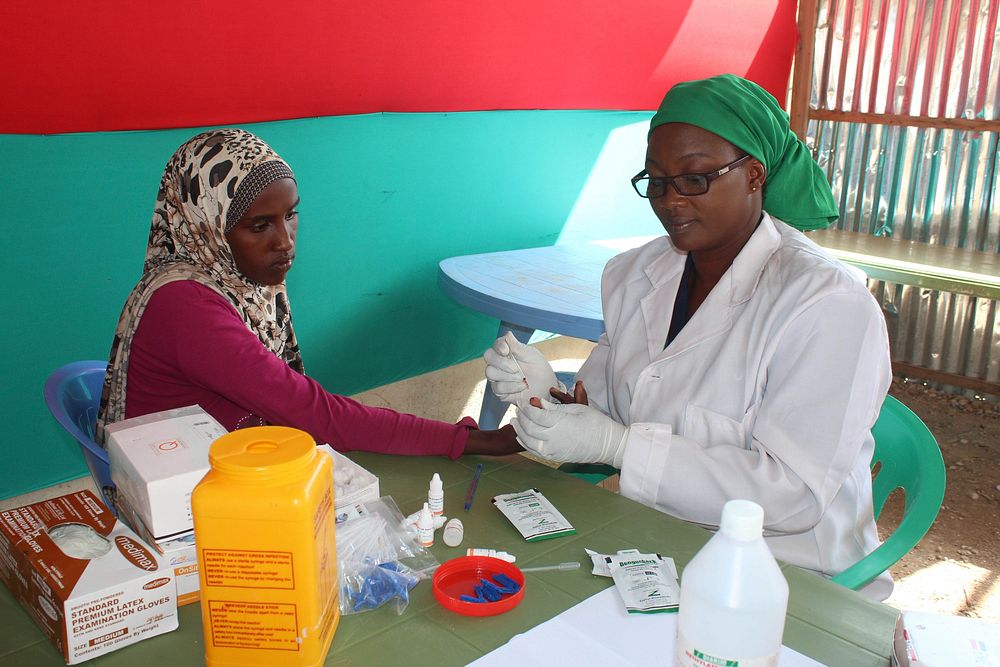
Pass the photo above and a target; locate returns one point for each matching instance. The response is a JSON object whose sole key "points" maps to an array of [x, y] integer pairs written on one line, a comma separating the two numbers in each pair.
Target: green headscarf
{"points": [[747, 116]]}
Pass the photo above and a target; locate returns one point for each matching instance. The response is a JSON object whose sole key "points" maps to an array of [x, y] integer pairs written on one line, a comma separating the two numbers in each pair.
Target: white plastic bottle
{"points": [[425, 527], [492, 553], [733, 596], [435, 495]]}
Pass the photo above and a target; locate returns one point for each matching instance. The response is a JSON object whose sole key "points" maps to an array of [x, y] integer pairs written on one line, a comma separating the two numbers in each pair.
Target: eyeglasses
{"points": [[689, 185]]}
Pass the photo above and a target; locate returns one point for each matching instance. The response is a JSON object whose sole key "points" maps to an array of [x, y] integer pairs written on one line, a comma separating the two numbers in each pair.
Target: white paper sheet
{"points": [[599, 631]]}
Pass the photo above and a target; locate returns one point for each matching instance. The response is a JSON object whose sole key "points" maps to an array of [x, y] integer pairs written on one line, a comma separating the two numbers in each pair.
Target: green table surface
{"points": [[826, 622]]}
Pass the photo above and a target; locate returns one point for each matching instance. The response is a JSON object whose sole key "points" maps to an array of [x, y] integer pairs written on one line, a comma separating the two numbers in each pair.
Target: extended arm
{"points": [[200, 335]]}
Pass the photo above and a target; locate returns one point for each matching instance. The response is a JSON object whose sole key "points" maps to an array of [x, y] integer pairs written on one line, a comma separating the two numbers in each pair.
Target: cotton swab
{"points": [[572, 565]]}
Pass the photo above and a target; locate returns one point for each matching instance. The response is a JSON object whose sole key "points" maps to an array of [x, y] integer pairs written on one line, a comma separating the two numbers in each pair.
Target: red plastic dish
{"points": [[460, 576]]}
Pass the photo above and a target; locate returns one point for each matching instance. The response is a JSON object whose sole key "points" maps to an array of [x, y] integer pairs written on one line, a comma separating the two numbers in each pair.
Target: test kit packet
{"points": [[156, 461], [647, 583], [533, 515], [86, 606]]}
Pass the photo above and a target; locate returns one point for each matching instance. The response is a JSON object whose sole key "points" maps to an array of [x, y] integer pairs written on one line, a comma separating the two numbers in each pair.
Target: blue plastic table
{"points": [[555, 289]]}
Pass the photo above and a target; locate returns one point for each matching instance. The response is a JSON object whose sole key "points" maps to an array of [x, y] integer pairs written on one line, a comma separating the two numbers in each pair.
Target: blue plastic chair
{"points": [[909, 458], [73, 395]]}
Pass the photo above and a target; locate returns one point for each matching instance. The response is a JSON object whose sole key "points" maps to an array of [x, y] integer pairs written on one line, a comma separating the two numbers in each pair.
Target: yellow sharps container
{"points": [[263, 524]]}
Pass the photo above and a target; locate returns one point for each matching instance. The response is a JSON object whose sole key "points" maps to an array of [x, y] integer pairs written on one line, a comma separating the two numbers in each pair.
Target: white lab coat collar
{"points": [[736, 286]]}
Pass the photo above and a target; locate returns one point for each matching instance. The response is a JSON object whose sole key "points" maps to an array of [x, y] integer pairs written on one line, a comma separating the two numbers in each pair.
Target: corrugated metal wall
{"points": [[932, 59]]}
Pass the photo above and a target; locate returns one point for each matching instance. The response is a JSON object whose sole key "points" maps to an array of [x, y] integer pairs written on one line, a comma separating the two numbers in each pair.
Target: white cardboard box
{"points": [[86, 606], [364, 485], [157, 460], [924, 639]]}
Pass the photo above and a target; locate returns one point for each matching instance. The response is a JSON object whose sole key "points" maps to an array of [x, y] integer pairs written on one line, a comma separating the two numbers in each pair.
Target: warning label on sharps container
{"points": [[248, 569], [258, 625]]}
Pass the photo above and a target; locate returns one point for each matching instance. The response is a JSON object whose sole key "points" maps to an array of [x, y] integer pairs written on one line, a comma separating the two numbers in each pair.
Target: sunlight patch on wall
{"points": [[607, 206]]}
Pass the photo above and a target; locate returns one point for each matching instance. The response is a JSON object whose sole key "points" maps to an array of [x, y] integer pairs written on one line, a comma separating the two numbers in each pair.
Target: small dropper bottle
{"points": [[435, 495], [425, 527]]}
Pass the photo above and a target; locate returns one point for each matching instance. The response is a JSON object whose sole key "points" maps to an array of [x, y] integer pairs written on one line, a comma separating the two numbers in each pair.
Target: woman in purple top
{"points": [[209, 322]]}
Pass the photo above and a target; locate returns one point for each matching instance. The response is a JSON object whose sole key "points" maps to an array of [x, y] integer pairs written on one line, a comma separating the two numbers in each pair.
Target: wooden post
{"points": [[802, 69]]}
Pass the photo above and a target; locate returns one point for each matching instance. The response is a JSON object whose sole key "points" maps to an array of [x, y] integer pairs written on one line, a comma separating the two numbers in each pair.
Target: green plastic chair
{"points": [[910, 460], [592, 473]]}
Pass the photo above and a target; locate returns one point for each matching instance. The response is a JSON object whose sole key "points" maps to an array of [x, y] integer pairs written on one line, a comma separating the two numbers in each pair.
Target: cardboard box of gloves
{"points": [[84, 577]]}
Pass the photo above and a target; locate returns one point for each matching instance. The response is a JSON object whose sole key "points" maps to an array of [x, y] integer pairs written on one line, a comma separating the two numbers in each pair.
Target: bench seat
{"points": [[924, 265]]}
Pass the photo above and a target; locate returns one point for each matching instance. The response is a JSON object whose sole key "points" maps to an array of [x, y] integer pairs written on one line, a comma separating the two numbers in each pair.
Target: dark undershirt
{"points": [[681, 303]]}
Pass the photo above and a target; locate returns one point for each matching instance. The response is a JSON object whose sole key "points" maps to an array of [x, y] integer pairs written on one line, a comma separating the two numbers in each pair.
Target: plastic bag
{"points": [[378, 561]]}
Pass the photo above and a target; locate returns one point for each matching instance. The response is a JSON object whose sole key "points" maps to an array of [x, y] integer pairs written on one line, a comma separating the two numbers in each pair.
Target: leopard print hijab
{"points": [[210, 177]]}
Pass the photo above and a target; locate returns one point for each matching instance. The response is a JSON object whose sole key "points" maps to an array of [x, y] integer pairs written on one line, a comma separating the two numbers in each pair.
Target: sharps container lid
{"points": [[262, 452]]}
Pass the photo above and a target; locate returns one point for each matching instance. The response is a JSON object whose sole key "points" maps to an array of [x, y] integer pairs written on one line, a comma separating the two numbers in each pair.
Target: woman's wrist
{"points": [[493, 443]]}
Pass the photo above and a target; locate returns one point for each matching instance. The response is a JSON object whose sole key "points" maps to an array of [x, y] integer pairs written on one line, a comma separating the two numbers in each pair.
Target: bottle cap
{"points": [[742, 520], [425, 519], [436, 486], [454, 531]]}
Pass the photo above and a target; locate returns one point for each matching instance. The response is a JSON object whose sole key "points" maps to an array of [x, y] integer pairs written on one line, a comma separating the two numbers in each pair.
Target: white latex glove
{"points": [[518, 372], [570, 433]]}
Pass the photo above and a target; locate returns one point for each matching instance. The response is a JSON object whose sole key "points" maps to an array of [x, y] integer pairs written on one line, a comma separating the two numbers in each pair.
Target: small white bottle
{"points": [[435, 495], [425, 527], [733, 596], [492, 553]]}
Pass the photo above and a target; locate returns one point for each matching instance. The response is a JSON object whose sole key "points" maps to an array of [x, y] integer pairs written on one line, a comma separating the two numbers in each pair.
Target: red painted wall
{"points": [[116, 64]]}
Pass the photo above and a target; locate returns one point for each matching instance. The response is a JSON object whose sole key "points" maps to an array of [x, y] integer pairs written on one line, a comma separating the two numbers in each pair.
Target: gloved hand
{"points": [[518, 372], [570, 433]]}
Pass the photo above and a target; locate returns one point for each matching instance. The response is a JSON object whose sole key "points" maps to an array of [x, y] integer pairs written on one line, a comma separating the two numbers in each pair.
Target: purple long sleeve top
{"points": [[192, 347]]}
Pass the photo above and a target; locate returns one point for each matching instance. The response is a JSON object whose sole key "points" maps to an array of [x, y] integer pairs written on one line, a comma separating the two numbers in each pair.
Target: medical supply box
{"points": [[181, 554], [177, 551], [926, 639], [87, 606], [352, 483], [157, 460]]}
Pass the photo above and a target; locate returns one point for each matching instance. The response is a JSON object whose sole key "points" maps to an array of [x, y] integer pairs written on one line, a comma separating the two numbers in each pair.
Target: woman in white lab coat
{"points": [[740, 360]]}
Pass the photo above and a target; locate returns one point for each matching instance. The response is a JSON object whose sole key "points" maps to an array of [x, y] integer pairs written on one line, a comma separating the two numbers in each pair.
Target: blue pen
{"points": [[472, 486]]}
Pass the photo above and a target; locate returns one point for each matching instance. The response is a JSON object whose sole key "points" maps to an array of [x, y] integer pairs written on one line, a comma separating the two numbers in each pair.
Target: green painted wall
{"points": [[385, 197]]}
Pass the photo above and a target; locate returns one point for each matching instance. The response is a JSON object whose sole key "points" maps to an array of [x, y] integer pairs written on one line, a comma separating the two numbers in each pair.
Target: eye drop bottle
{"points": [[733, 596], [435, 495], [425, 527]]}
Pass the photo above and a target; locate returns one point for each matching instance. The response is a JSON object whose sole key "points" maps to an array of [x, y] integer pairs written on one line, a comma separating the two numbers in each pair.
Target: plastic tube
{"points": [[572, 565]]}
